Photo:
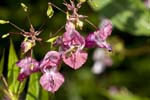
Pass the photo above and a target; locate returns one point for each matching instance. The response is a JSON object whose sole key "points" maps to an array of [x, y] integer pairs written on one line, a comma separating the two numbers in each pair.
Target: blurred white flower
{"points": [[101, 60], [147, 3]]}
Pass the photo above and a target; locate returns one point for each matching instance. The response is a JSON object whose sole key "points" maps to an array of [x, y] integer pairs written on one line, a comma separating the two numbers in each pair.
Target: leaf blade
{"points": [[2, 63], [13, 70], [33, 88]]}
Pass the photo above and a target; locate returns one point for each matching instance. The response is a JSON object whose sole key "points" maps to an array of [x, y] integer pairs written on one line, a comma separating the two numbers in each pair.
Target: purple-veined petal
{"points": [[52, 58], [51, 81], [106, 29], [76, 59], [90, 41], [28, 66]]}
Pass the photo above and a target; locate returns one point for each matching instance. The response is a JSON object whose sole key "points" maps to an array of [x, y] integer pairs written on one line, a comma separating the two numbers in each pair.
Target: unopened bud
{"points": [[5, 35], [27, 45], [79, 24], [25, 8], [4, 22], [50, 11]]}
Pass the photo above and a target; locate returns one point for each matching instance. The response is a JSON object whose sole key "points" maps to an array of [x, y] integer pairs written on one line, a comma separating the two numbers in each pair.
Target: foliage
{"points": [[126, 79], [127, 15]]}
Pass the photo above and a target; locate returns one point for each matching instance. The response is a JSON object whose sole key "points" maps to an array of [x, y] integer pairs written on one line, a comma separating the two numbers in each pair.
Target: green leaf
{"points": [[51, 40], [127, 15], [50, 11], [13, 70], [44, 95], [124, 94], [98, 4], [33, 87], [1, 64]]}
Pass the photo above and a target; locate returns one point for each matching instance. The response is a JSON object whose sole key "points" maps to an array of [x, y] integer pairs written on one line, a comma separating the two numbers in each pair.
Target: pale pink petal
{"points": [[75, 60], [52, 58], [106, 29], [28, 66], [51, 81]]}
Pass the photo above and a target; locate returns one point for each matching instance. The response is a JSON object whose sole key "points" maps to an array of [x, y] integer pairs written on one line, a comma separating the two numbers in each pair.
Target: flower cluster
{"points": [[71, 50]]}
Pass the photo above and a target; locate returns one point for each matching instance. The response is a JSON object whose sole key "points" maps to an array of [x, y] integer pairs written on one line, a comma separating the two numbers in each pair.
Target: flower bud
{"points": [[79, 24], [4, 22], [27, 45], [25, 8], [50, 11]]}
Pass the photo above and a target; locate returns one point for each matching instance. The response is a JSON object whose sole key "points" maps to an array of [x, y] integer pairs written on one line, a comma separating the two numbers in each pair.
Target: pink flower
{"points": [[90, 41], [75, 60], [51, 59], [51, 80], [105, 30], [28, 66], [99, 37], [73, 44], [72, 37]]}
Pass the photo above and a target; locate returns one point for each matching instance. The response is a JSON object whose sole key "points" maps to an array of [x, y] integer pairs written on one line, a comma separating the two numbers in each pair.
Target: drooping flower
{"points": [[28, 66], [73, 44], [99, 37], [51, 80], [51, 59]]}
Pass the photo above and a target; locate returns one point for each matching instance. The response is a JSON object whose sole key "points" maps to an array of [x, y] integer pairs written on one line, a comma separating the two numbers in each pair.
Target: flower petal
{"points": [[52, 81], [75, 60], [90, 41], [28, 66], [52, 58], [106, 29]]}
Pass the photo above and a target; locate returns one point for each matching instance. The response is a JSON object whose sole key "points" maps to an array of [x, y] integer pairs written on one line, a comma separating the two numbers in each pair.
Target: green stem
{"points": [[91, 24], [16, 27], [137, 51], [56, 7]]}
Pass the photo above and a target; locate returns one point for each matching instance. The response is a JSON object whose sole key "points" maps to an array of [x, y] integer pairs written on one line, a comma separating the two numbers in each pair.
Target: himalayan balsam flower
{"points": [[28, 66], [51, 59], [99, 37], [73, 44], [51, 80]]}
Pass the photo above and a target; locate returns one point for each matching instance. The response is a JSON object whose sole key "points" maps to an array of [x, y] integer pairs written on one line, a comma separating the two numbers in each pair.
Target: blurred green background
{"points": [[129, 76]]}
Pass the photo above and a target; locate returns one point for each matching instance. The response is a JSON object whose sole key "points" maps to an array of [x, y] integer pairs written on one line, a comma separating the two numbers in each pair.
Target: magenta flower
{"points": [[51, 80], [28, 66], [72, 38], [99, 37], [51, 59], [75, 60], [73, 44]]}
